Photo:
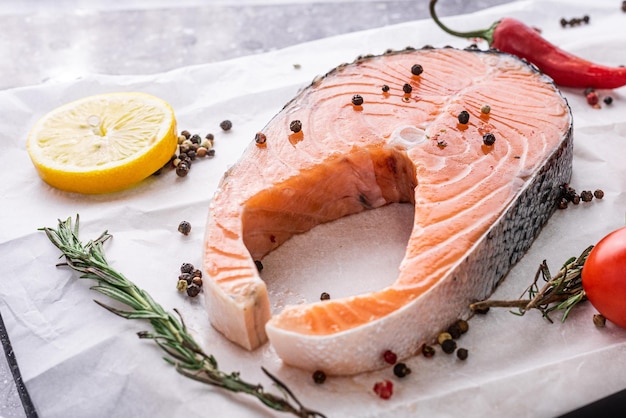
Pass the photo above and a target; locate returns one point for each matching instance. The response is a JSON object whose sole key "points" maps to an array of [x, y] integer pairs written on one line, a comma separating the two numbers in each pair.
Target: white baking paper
{"points": [[79, 360]]}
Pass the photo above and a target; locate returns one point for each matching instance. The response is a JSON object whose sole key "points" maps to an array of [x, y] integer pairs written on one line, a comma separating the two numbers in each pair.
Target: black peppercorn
{"points": [[195, 139], [319, 377], [598, 194], [260, 138], [259, 265], [454, 331], [417, 69], [401, 370], [210, 137], [295, 126], [448, 346], [464, 117], [608, 100], [187, 268], [407, 88], [586, 196], [182, 169], [385, 88], [184, 228], [324, 296], [489, 139], [226, 125], [193, 290], [357, 100], [186, 134], [462, 353]]}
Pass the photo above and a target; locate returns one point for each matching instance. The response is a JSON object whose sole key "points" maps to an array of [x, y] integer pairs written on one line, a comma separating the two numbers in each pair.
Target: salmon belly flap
{"points": [[478, 203]]}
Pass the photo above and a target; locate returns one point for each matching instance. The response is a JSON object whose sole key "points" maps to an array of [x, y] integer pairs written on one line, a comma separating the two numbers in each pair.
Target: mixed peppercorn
{"points": [[593, 99], [189, 280], [575, 21], [568, 194], [446, 340]]}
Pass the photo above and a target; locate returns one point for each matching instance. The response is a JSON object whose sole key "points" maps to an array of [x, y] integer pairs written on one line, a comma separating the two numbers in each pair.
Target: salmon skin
{"points": [[478, 205]]}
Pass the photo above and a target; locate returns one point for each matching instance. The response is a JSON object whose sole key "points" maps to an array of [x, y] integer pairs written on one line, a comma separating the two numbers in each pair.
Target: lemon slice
{"points": [[103, 143]]}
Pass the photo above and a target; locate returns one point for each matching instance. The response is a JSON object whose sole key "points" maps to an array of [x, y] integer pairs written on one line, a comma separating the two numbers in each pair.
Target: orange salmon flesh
{"points": [[478, 207]]}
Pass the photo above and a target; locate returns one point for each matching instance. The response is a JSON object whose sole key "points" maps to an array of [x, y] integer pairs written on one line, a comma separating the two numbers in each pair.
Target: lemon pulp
{"points": [[103, 143]]}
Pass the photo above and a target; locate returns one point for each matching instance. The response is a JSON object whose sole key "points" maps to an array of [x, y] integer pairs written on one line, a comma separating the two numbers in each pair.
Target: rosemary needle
{"points": [[170, 332]]}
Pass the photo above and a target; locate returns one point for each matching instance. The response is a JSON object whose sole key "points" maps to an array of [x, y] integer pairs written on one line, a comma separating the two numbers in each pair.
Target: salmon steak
{"points": [[477, 141]]}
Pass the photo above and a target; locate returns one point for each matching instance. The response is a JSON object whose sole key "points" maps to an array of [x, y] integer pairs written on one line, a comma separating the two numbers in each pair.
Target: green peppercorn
{"points": [[443, 337], [186, 277], [464, 117], [357, 100], [226, 125], [295, 126], [319, 377], [489, 139], [407, 88], [448, 346], [485, 109], [181, 286], [417, 69], [184, 228], [462, 353], [401, 370]]}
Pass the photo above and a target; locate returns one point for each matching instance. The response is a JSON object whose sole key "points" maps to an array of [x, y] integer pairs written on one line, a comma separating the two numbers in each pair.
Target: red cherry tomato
{"points": [[604, 277]]}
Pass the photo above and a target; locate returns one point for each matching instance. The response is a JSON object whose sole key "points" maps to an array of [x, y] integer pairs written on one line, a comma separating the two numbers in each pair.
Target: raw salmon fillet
{"points": [[478, 207]]}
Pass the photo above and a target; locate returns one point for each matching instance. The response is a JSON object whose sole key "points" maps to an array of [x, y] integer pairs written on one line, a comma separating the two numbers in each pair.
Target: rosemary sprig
{"points": [[170, 332], [560, 292]]}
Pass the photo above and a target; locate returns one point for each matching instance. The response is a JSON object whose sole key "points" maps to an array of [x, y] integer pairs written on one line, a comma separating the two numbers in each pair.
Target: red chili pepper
{"points": [[512, 36]]}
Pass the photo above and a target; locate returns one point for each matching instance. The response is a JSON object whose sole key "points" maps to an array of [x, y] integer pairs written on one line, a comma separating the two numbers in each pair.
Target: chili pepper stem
{"points": [[486, 34]]}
